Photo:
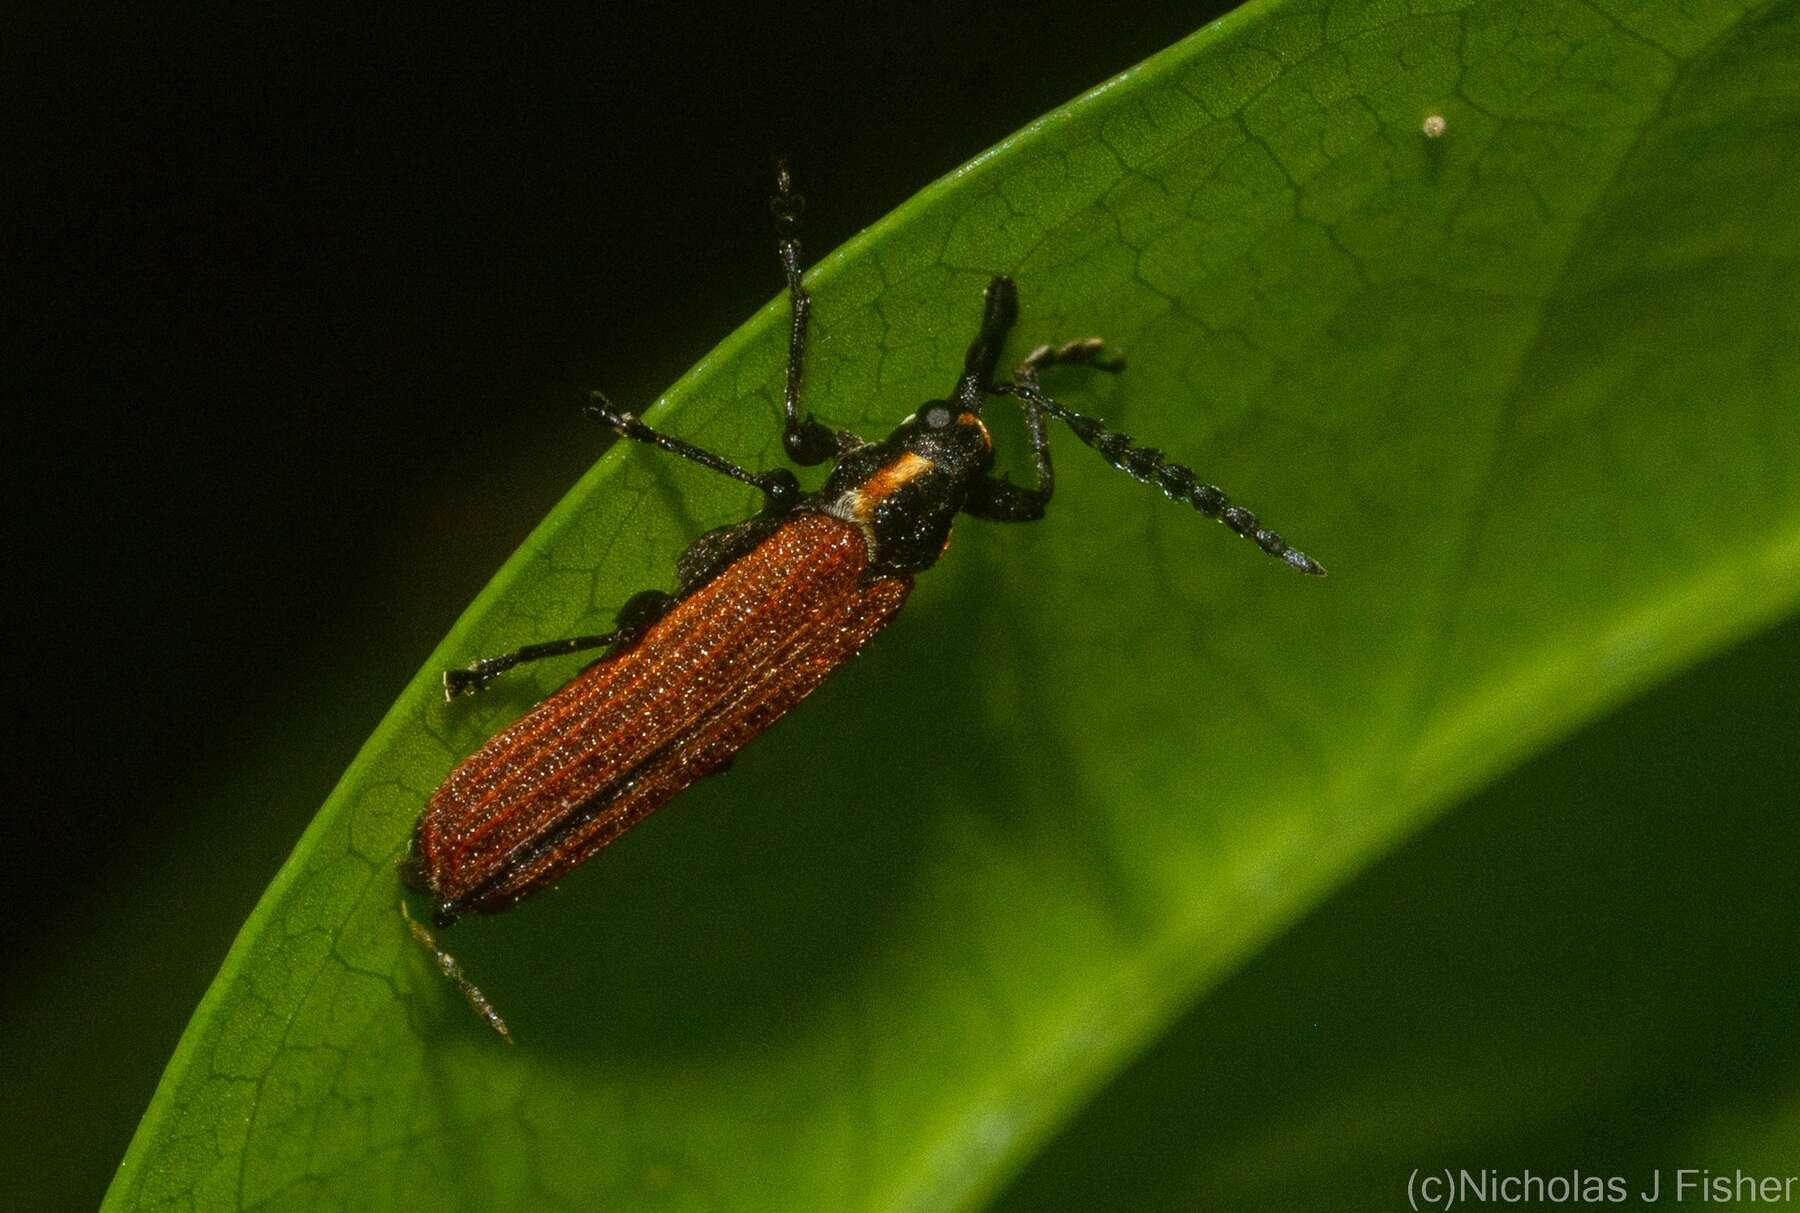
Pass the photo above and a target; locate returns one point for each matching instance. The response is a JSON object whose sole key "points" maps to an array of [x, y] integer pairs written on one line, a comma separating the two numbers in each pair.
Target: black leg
{"points": [[1178, 482], [640, 611], [997, 318], [779, 486], [806, 441], [477, 674], [996, 498]]}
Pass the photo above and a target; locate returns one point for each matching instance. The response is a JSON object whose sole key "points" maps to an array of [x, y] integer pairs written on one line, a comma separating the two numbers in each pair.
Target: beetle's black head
{"points": [[906, 489], [951, 437]]}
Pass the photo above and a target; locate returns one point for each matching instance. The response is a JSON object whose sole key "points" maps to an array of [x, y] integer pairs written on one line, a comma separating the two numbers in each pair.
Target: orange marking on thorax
{"points": [[888, 480]]}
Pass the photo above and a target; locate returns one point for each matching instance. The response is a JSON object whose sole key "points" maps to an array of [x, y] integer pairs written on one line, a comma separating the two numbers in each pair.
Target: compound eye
{"points": [[935, 416]]}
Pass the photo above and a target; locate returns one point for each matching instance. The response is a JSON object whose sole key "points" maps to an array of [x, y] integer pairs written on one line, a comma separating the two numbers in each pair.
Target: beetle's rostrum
{"points": [[762, 611]]}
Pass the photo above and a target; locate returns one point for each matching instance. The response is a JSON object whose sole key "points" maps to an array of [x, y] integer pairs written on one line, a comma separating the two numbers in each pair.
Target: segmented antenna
{"points": [[1178, 482]]}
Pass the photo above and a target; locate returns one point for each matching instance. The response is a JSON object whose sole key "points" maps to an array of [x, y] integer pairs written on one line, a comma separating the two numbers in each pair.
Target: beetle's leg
{"points": [[1152, 467], [806, 440], [1084, 351], [995, 497], [477, 674], [779, 486], [998, 499], [1001, 310], [639, 612]]}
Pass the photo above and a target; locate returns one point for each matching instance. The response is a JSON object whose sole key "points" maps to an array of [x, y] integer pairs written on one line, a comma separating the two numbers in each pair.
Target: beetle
{"points": [[762, 611]]}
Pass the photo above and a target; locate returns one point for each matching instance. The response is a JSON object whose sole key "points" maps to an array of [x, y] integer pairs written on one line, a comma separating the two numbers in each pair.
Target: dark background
{"points": [[299, 312]]}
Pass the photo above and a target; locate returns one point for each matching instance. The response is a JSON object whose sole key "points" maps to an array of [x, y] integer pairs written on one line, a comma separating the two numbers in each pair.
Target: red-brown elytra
{"points": [[762, 611]]}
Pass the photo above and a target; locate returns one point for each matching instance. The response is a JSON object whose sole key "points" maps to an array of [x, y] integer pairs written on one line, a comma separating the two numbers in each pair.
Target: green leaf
{"points": [[1586, 969], [1525, 386]]}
